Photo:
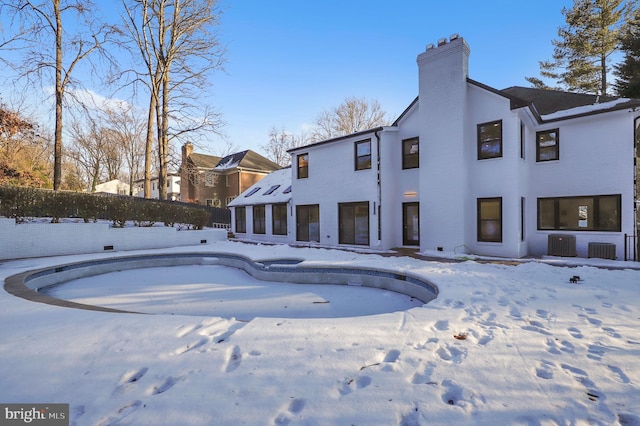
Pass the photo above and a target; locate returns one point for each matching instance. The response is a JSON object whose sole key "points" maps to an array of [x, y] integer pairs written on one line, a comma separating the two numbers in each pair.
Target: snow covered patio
{"points": [[500, 344]]}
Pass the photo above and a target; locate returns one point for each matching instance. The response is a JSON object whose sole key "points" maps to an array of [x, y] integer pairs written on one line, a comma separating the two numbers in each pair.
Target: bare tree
{"points": [[87, 151], [353, 115], [178, 45], [126, 128], [56, 36], [280, 141]]}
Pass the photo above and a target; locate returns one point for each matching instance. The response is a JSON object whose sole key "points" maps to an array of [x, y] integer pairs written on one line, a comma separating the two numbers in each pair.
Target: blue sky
{"points": [[288, 60]]}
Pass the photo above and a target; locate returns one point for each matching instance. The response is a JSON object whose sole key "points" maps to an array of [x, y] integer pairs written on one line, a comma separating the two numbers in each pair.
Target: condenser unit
{"points": [[562, 245], [602, 250]]}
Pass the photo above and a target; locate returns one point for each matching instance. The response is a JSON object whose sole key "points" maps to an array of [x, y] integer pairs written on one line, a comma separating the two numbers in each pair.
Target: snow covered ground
{"points": [[531, 349]]}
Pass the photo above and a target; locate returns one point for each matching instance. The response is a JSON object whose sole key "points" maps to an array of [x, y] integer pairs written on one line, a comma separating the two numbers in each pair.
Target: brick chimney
{"points": [[443, 69], [187, 150]]}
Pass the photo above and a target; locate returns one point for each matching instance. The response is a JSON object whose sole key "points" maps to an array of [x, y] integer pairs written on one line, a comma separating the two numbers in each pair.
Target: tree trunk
{"points": [[148, 152], [57, 147], [603, 70], [163, 142]]}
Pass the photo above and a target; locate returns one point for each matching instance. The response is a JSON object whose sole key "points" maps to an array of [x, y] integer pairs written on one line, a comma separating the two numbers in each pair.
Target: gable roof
{"points": [[553, 105], [550, 101], [204, 161], [272, 189], [246, 160]]}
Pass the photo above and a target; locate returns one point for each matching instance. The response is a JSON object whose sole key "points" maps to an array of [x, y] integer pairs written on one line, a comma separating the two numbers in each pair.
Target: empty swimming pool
{"points": [[230, 286]]}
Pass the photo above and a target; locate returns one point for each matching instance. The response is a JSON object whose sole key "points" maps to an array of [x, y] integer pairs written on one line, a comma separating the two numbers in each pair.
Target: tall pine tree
{"points": [[628, 71], [590, 36]]}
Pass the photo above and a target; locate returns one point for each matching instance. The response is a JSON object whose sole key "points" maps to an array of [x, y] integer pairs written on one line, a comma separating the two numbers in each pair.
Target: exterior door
{"points": [[308, 223], [411, 224], [353, 220]]}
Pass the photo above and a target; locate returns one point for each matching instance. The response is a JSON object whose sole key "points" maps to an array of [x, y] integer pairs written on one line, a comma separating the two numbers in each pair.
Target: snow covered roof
{"points": [[588, 109], [273, 188], [247, 160]]}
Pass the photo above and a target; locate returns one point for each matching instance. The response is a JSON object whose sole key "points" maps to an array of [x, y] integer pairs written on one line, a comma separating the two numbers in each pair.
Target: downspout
{"points": [[636, 184], [379, 194]]}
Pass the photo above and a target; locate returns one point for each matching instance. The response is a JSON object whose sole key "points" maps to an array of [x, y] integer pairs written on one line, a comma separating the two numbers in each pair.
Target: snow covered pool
{"points": [[228, 286], [217, 290]]}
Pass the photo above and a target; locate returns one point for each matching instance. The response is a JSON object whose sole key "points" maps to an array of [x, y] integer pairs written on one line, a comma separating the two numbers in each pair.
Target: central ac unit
{"points": [[562, 245]]}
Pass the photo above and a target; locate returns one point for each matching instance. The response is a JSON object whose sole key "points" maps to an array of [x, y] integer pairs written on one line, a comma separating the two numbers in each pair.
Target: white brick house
{"points": [[471, 169]]}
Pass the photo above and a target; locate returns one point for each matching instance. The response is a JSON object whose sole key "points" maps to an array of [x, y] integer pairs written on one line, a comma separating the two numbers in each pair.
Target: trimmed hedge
{"points": [[23, 203]]}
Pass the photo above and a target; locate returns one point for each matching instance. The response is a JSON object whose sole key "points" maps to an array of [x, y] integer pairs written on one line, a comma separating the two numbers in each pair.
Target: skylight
{"points": [[271, 190], [288, 190], [253, 191]]}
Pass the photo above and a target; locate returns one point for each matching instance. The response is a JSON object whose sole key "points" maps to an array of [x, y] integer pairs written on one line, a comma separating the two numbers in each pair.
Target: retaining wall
{"points": [[54, 239]]}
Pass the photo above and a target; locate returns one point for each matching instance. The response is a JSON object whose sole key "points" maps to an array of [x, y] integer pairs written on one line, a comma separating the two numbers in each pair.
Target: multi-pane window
{"points": [[410, 153], [490, 140], [363, 154], [210, 178], [587, 213], [279, 219], [241, 219], [547, 145], [259, 220], [490, 219], [303, 166]]}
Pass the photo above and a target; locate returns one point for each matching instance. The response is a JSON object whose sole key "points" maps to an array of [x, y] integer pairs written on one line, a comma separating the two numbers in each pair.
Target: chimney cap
{"points": [[454, 36], [442, 41], [430, 46]]}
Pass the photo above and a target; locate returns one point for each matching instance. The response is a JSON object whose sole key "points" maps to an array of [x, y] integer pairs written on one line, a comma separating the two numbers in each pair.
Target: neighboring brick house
{"points": [[215, 181]]}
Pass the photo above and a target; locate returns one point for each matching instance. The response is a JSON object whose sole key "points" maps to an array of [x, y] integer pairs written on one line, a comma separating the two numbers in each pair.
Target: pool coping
{"points": [[27, 285]]}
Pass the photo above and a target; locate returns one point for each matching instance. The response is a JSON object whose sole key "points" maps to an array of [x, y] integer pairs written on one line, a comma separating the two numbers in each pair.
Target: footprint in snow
{"points": [[620, 375], [544, 370], [122, 412], [575, 333], [455, 394], [191, 346], [129, 378], [234, 357], [162, 387], [582, 377], [451, 353], [423, 374], [293, 408], [349, 385], [185, 330], [554, 346]]}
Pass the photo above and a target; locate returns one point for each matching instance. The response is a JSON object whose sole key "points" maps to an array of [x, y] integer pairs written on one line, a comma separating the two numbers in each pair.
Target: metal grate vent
{"points": [[602, 250], [562, 245]]}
